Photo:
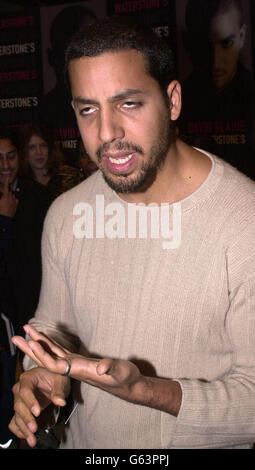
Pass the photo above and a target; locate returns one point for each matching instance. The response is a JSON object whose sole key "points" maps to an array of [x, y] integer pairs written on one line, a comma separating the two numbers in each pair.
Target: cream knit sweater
{"points": [[186, 313]]}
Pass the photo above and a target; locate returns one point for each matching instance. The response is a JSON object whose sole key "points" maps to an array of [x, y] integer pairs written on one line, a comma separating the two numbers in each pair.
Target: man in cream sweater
{"points": [[155, 326]]}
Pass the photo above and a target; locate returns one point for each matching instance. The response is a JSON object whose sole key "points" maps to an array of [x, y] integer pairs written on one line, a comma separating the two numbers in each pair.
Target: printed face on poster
{"points": [[215, 70], [58, 24], [218, 28]]}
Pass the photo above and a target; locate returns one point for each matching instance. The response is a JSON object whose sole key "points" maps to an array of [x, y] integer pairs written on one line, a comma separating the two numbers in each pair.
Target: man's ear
{"points": [[243, 34], [175, 99]]}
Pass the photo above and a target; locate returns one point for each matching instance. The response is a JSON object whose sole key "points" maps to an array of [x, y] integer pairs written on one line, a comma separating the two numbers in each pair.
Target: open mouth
{"points": [[120, 163]]}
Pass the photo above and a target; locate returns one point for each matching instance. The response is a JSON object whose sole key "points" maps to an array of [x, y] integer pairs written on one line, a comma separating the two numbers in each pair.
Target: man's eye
{"points": [[131, 104], [86, 111], [227, 44]]}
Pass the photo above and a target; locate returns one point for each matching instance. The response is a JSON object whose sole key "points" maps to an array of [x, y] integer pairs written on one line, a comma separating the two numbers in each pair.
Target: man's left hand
{"points": [[113, 375], [116, 376]]}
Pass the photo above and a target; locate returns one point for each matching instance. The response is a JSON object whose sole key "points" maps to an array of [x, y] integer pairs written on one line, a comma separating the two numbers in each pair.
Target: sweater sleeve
{"points": [[222, 413], [54, 312]]}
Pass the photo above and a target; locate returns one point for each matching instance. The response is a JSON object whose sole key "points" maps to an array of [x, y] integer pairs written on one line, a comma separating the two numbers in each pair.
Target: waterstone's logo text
{"points": [[120, 220]]}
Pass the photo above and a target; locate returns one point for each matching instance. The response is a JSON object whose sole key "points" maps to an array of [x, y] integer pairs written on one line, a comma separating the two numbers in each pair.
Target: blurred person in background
{"points": [[43, 161], [86, 165], [23, 206]]}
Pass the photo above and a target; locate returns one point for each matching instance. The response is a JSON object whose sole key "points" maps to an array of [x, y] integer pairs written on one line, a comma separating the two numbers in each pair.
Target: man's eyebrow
{"points": [[83, 100], [118, 97], [229, 38], [125, 94]]}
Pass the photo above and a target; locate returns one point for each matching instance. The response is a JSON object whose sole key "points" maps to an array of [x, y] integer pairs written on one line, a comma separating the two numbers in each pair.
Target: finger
{"points": [[56, 365], [24, 430], [23, 424], [58, 350], [59, 393], [25, 402], [24, 346], [15, 429]]}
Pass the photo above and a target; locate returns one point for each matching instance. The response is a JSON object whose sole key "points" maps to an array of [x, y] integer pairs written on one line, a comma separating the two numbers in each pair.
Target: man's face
{"points": [[122, 116], [227, 39], [215, 52], [9, 162]]}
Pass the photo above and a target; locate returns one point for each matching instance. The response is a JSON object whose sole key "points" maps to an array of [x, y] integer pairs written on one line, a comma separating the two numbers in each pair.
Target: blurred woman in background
{"points": [[44, 162]]}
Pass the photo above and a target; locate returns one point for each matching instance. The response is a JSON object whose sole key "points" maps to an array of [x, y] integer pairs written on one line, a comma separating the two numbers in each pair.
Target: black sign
{"points": [[20, 70]]}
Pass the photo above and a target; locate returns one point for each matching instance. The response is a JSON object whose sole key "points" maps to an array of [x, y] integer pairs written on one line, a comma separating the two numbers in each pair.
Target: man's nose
{"points": [[110, 127], [5, 163], [217, 57]]}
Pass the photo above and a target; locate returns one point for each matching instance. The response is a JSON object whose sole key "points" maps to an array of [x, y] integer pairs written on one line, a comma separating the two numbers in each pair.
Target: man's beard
{"points": [[126, 184]]}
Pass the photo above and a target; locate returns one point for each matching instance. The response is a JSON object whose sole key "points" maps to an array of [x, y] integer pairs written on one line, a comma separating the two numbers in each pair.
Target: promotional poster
{"points": [[215, 70], [213, 50], [20, 74]]}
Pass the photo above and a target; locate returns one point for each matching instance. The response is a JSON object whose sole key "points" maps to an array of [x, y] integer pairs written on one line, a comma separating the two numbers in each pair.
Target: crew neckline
{"points": [[205, 190]]}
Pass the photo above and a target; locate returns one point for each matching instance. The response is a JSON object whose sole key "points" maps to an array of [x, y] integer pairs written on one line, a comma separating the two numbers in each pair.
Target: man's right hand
{"points": [[36, 389]]}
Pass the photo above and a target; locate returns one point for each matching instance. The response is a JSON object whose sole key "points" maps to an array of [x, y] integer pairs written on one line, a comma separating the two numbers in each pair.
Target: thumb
{"points": [[58, 395], [105, 366]]}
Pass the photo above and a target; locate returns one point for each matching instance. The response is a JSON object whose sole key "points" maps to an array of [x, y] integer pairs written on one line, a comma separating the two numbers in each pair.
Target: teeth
{"points": [[120, 161]]}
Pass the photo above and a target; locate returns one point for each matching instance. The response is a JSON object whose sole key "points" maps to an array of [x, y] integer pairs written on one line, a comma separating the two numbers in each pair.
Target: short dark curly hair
{"points": [[112, 34], [11, 134]]}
